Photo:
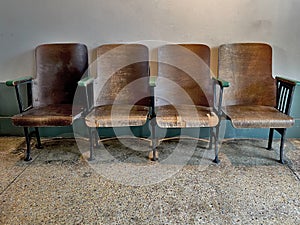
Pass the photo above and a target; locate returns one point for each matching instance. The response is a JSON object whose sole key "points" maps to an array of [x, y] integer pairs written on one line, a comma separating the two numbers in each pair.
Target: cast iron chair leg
{"points": [[153, 139], [91, 145], [281, 160], [270, 138], [216, 160], [96, 136], [210, 138], [216, 137], [154, 150], [28, 148], [38, 138]]}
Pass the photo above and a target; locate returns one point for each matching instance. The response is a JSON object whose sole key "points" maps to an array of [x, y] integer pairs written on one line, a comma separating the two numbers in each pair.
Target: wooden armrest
{"points": [[287, 81], [18, 81], [152, 81], [222, 83], [89, 96], [85, 81]]}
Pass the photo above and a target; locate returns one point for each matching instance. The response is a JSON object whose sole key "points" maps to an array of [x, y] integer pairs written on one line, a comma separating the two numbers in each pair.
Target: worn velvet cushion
{"points": [[122, 75], [58, 69], [184, 116], [184, 89], [248, 69], [121, 88], [50, 115], [254, 116], [184, 75], [251, 98], [117, 116]]}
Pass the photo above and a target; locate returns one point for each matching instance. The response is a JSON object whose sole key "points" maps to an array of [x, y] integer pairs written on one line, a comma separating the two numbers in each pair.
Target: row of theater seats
{"points": [[179, 92]]}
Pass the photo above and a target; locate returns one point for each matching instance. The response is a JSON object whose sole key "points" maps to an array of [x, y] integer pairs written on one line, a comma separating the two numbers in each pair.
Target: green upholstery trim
{"points": [[85, 81], [222, 83], [18, 81], [152, 81]]}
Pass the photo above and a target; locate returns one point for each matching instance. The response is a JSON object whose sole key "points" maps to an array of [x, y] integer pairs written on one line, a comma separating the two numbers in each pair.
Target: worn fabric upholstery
{"points": [[248, 69], [185, 116], [117, 116], [250, 100], [44, 116], [121, 88], [254, 116], [58, 69], [184, 89]]}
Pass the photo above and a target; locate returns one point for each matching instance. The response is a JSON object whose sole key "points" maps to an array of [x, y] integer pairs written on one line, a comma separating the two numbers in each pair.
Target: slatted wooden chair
{"points": [[50, 94], [184, 96], [255, 99], [121, 93]]}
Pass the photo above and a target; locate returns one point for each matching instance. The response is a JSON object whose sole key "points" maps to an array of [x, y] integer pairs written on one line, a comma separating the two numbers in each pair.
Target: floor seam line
{"points": [[13, 181], [294, 172]]}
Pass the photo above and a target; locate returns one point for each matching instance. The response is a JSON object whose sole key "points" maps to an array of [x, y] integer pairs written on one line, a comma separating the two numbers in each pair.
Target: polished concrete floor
{"points": [[121, 186]]}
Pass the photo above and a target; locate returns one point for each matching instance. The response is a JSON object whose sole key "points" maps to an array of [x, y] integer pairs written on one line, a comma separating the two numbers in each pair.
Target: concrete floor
{"points": [[60, 187]]}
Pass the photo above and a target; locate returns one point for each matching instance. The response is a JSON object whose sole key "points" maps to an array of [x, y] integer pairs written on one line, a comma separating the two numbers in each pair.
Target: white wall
{"points": [[24, 24]]}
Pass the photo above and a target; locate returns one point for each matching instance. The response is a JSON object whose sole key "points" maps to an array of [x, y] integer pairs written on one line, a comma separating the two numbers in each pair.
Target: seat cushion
{"points": [[257, 117], [45, 116], [184, 116], [117, 116]]}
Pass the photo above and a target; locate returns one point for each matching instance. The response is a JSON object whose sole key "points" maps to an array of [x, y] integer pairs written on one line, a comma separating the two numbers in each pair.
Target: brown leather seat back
{"points": [[58, 69], [122, 75], [248, 68], [184, 75]]}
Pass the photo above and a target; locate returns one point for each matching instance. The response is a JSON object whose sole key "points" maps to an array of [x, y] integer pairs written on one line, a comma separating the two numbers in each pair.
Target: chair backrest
{"points": [[122, 75], [184, 75], [248, 68], [58, 69]]}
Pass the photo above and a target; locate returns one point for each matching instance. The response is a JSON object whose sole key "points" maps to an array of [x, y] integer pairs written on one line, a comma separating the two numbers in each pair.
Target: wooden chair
{"points": [[50, 95], [184, 91], [121, 93], [255, 99]]}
